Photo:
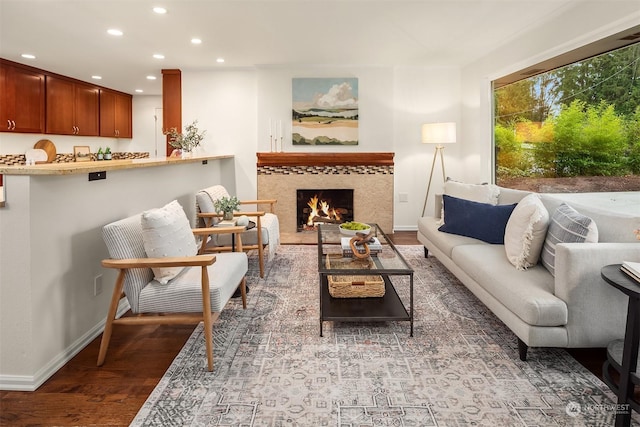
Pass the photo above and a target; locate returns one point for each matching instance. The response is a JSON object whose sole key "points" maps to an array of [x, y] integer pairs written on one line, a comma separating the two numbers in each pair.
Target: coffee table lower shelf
{"points": [[374, 309]]}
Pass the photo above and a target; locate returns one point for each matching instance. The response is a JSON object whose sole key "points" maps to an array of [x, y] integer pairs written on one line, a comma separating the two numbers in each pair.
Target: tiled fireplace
{"points": [[282, 176]]}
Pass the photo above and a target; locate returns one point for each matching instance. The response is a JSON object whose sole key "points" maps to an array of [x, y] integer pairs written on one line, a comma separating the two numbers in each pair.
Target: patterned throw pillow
{"points": [[566, 226], [166, 232]]}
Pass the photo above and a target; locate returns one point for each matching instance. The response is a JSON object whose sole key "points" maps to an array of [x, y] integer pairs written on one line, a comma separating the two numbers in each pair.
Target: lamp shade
{"points": [[439, 133]]}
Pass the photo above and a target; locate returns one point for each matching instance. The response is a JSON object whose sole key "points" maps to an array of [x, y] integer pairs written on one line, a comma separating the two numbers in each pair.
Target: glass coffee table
{"points": [[386, 263]]}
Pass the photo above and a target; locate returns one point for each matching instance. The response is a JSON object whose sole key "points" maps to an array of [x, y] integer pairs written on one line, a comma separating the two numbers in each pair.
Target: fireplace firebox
{"points": [[326, 206]]}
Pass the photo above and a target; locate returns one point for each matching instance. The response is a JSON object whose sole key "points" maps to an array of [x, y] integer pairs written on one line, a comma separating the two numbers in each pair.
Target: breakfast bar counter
{"points": [[70, 168], [54, 292]]}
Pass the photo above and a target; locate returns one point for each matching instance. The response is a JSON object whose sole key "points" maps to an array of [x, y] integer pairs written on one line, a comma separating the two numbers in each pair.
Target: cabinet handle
{"points": [[8, 124], [14, 125]]}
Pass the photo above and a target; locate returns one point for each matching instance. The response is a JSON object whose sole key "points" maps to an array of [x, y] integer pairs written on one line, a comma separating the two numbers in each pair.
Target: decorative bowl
{"points": [[346, 228]]}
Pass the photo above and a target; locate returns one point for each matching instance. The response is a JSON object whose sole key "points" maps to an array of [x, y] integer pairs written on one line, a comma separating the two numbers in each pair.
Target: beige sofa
{"points": [[576, 308]]}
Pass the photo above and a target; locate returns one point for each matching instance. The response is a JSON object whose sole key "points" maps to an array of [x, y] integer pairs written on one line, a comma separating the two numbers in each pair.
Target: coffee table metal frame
{"points": [[390, 307]]}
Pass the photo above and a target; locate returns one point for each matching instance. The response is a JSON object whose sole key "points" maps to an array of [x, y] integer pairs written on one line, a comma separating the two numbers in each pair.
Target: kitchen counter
{"points": [[54, 292], [73, 168]]}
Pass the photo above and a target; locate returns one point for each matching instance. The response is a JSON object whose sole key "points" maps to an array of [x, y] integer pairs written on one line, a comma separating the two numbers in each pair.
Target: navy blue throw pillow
{"points": [[478, 220]]}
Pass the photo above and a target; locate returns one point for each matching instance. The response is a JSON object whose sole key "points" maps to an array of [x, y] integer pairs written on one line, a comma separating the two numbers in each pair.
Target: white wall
{"points": [[572, 28], [235, 108]]}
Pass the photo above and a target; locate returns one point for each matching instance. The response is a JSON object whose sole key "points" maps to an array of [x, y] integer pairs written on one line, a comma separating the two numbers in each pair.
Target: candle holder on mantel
{"points": [[281, 149], [271, 142]]}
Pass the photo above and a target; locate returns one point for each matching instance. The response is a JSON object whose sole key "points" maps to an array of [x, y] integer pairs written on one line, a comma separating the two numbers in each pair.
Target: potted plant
{"points": [[107, 153], [186, 141], [100, 154], [226, 205]]}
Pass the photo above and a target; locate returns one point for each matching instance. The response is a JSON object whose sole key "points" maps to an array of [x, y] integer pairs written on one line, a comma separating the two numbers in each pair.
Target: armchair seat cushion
{"points": [[183, 294]]}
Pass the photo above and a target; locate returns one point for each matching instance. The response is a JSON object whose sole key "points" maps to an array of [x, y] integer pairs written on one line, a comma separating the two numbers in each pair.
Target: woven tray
{"points": [[356, 286]]}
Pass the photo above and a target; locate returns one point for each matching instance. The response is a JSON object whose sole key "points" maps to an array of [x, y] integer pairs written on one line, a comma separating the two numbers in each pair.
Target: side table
{"points": [[623, 355]]}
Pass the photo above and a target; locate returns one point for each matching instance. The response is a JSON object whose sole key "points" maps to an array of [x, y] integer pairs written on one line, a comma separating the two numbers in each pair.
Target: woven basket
{"points": [[356, 286]]}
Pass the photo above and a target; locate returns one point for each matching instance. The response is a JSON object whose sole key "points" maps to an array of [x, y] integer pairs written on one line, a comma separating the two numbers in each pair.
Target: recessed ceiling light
{"points": [[158, 56], [139, 90], [160, 10], [220, 60], [196, 41], [151, 77], [28, 56], [114, 32], [96, 77]]}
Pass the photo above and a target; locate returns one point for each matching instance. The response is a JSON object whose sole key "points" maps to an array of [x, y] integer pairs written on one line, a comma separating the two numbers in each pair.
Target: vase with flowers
{"points": [[227, 206], [187, 141]]}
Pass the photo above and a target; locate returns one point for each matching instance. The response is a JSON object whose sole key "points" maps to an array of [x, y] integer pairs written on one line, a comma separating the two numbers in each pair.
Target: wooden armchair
{"points": [[266, 222], [197, 293]]}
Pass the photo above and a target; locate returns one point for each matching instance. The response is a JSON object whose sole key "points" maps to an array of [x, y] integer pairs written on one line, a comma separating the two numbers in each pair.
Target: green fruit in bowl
{"points": [[354, 226]]}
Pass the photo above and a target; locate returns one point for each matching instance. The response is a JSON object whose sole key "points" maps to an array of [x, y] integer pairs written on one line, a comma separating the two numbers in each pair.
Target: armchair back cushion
{"points": [[205, 199], [123, 239]]}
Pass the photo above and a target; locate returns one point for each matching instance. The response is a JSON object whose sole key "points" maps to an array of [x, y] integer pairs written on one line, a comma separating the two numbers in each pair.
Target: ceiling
{"points": [[70, 37]]}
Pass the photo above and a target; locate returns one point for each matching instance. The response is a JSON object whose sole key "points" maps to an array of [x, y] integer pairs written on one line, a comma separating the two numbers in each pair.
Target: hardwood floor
{"points": [[81, 394]]}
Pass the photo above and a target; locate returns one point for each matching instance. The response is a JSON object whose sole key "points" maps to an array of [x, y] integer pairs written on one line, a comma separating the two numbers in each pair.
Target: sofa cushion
{"points": [[614, 214], [478, 220], [166, 232], [483, 193], [525, 232], [185, 291], [428, 227], [566, 226], [528, 293]]}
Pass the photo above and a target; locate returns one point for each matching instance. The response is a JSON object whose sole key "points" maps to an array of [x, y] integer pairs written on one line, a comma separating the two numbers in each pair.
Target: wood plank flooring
{"points": [[81, 394]]}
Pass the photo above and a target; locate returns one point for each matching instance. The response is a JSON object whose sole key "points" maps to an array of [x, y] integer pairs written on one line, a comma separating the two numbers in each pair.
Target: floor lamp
{"points": [[437, 133]]}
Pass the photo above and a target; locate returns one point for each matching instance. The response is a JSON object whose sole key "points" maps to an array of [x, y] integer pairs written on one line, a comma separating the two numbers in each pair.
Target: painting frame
{"points": [[325, 111], [81, 153]]}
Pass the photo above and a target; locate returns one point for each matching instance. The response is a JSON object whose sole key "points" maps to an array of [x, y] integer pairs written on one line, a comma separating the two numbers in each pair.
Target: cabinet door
{"points": [[115, 114], [60, 106], [22, 100], [87, 110], [107, 113], [123, 119]]}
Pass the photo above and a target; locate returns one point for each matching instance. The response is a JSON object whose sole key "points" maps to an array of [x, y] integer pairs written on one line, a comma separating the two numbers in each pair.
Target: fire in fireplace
{"points": [[323, 207]]}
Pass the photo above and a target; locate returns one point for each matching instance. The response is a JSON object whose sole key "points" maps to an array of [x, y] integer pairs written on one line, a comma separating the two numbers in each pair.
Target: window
{"points": [[574, 128]]}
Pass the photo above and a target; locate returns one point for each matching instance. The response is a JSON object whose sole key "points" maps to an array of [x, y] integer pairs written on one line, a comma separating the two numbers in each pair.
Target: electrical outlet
{"points": [[97, 285], [403, 197]]}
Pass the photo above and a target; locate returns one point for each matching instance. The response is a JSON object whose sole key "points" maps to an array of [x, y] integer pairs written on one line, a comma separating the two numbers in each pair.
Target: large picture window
{"points": [[575, 128]]}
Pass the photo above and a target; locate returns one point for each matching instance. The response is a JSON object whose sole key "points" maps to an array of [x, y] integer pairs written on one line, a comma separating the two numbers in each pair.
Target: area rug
{"points": [[461, 368]]}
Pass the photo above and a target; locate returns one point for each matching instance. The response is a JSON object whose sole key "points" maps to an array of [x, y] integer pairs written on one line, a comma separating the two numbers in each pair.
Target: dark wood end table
{"points": [[623, 355]]}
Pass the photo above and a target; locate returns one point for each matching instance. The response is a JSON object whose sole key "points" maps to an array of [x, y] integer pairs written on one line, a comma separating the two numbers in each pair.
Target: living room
{"points": [[236, 104]]}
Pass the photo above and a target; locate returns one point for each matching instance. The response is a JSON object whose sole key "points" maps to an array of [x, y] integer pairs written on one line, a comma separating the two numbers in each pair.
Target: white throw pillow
{"points": [[166, 232], [525, 232], [566, 226]]}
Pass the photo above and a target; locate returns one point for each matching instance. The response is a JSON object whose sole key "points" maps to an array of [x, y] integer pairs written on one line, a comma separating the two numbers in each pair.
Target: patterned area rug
{"points": [[460, 369]]}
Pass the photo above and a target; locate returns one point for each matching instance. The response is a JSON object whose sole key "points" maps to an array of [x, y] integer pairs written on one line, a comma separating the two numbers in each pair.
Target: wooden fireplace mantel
{"points": [[324, 159]]}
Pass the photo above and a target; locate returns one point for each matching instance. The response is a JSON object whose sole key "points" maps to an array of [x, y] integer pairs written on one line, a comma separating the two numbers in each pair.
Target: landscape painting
{"points": [[325, 111]]}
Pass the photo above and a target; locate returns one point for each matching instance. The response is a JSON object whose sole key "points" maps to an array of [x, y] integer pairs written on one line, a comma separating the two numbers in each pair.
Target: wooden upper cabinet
{"points": [[115, 114], [22, 99], [73, 108]]}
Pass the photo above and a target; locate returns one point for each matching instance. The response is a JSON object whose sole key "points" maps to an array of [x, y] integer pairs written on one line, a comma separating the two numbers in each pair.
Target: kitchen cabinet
{"points": [[22, 104], [73, 107], [115, 114]]}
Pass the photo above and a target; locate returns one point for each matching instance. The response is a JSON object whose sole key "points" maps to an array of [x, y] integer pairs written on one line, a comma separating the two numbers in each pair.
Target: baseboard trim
{"points": [[405, 228], [32, 382]]}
